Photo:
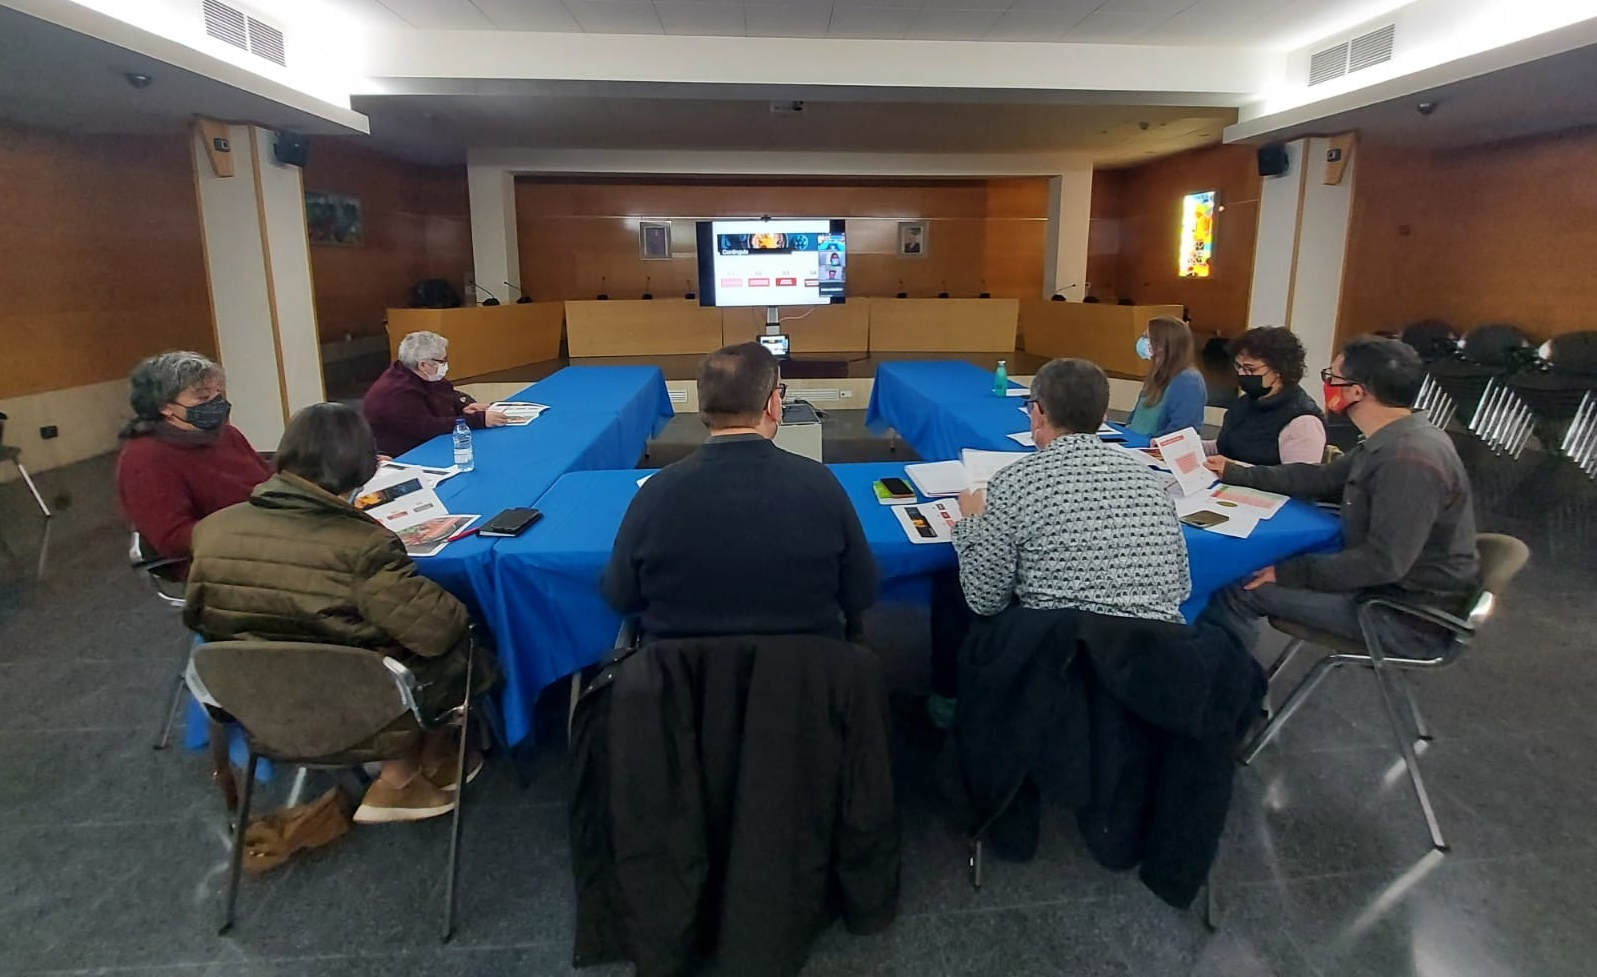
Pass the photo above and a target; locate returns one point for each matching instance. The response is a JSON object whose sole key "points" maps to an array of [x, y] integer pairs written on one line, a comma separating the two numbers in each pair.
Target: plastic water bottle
{"points": [[1000, 381], [464, 460]]}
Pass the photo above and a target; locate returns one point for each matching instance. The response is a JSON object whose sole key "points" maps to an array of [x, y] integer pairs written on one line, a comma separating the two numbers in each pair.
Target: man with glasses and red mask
{"points": [[1408, 520]]}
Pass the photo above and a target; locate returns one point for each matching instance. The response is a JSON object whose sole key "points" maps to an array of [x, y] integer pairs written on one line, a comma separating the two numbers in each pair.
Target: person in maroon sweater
{"points": [[412, 402], [180, 459]]}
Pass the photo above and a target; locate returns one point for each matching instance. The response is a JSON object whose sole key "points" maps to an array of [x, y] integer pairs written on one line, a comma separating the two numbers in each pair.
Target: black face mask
{"points": [[210, 415], [1252, 386]]}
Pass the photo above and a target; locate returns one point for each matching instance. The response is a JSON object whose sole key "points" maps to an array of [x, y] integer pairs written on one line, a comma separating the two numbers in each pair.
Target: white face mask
{"points": [[440, 370]]}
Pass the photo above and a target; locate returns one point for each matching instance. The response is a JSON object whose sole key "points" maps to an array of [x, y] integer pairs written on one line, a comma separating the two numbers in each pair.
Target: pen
{"points": [[463, 534]]}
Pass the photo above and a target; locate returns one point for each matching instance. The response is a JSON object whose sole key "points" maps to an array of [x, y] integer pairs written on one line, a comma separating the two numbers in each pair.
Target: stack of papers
{"points": [[973, 470], [516, 412], [1229, 510], [401, 497], [929, 522]]}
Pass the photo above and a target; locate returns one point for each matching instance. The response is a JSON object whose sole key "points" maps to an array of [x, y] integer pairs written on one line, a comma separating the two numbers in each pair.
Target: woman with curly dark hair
{"points": [[1274, 422]]}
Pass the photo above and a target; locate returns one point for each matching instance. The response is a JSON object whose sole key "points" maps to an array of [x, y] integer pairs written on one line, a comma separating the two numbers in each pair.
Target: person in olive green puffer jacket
{"points": [[298, 562]]}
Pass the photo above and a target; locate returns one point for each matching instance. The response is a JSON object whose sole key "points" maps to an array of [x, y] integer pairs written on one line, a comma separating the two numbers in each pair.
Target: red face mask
{"points": [[1333, 398]]}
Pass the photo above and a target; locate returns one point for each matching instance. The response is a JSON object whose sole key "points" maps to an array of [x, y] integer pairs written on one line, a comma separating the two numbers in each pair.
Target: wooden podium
{"points": [[1105, 334], [485, 339]]}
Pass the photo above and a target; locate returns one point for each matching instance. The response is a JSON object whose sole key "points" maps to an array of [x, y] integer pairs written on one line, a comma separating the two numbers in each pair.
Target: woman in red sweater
{"points": [[180, 459]]}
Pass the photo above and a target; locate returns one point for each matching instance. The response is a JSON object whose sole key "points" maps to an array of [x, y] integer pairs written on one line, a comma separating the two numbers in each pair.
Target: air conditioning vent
{"points": [[1328, 64], [267, 42], [226, 24], [1364, 51], [231, 25], [1371, 49]]}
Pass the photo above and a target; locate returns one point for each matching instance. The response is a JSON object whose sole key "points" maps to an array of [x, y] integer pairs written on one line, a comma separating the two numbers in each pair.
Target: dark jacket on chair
{"points": [[1133, 723], [730, 796]]}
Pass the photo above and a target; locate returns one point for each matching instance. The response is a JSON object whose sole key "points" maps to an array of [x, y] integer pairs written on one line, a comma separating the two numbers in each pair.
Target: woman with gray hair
{"points": [[180, 459], [412, 402]]}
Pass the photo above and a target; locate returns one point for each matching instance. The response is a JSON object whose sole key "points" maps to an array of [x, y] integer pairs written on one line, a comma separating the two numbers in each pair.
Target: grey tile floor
{"points": [[112, 855]]}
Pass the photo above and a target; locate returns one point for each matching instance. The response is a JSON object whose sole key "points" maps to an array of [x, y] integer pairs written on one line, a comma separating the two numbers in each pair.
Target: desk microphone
{"points": [[491, 300], [525, 298]]}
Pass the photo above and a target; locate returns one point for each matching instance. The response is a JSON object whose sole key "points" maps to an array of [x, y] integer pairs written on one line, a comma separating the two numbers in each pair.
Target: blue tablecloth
{"points": [[600, 417], [553, 569], [941, 406]]}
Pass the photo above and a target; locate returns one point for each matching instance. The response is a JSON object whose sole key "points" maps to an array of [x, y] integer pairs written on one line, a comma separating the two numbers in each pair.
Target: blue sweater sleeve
{"points": [[1183, 403]]}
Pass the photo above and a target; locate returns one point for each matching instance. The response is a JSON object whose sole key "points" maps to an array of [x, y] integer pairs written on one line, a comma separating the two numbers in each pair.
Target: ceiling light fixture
{"points": [[138, 80]]}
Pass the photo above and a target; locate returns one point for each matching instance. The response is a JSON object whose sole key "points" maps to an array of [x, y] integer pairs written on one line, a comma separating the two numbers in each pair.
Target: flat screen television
{"points": [[788, 261]]}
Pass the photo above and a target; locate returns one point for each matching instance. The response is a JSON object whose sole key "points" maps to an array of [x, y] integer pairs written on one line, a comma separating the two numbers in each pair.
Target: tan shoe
{"points": [[442, 772], [416, 801]]}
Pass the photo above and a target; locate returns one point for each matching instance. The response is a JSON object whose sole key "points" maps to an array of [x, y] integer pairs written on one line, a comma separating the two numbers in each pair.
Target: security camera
{"points": [[798, 106], [138, 80], [1425, 108]]}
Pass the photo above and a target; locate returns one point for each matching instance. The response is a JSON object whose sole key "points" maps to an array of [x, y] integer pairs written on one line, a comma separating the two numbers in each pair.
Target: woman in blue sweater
{"points": [[1173, 394]]}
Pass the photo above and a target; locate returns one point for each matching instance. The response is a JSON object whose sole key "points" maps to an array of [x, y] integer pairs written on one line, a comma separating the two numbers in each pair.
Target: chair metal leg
{"points": [[1420, 729], [452, 870], [571, 708], [1406, 745], [164, 737], [1211, 909], [1299, 695], [1282, 660], [28, 479], [238, 843], [975, 864]]}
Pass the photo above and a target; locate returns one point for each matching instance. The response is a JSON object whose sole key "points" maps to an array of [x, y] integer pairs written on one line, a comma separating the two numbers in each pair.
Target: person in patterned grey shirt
{"points": [[1079, 524]]}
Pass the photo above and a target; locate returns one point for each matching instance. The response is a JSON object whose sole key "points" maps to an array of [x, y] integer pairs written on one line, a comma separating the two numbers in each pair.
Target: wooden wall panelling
{"points": [[576, 234], [1105, 334], [1150, 227], [1500, 233], [485, 339], [100, 256], [944, 325], [842, 328], [661, 327]]}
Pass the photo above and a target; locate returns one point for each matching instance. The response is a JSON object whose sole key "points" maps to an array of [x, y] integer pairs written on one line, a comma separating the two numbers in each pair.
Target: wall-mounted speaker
{"points": [[291, 148], [1272, 159]]}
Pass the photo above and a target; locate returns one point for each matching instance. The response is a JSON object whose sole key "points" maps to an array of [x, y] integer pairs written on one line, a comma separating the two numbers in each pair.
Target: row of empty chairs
{"points": [[1505, 390]]}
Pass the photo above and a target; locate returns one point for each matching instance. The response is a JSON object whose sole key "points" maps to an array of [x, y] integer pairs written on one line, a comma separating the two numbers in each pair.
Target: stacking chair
{"points": [[1488, 353], [14, 455], [310, 705], [168, 586], [1559, 395], [1501, 557], [1433, 339]]}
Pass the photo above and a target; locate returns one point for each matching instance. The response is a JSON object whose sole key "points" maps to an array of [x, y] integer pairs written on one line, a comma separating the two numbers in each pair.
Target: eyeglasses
{"points": [[1331, 378], [1028, 403], [1249, 370]]}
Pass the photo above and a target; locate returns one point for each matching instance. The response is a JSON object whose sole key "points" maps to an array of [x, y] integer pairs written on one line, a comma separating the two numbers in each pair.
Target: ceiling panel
{"points": [[1115, 27], [528, 15], [706, 19], [1033, 25], [788, 20], [953, 25], [998, 6], [440, 15], [611, 17], [369, 14], [869, 22]]}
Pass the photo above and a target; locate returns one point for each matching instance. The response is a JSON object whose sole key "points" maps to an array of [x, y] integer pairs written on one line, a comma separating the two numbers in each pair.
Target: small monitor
{"points": [[778, 345]]}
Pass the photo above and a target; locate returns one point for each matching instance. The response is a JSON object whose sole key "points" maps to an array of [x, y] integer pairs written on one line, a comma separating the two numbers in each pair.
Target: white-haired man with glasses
{"points": [[412, 402]]}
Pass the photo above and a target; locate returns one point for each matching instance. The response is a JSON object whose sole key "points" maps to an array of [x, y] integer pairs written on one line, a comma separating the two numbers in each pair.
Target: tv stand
{"points": [[773, 320]]}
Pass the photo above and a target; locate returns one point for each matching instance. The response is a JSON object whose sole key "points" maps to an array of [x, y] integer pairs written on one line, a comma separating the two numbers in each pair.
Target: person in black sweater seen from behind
{"points": [[741, 537]]}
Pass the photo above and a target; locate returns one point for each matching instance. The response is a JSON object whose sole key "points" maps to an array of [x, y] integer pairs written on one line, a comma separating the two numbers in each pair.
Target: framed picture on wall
{"points": [[333, 218], [654, 240], [911, 238]]}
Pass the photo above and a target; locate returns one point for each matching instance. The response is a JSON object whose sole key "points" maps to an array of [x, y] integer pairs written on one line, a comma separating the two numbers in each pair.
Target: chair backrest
{"points": [[1501, 559], [1431, 338], [161, 572], [1574, 352], [304, 701], [1495, 344]]}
